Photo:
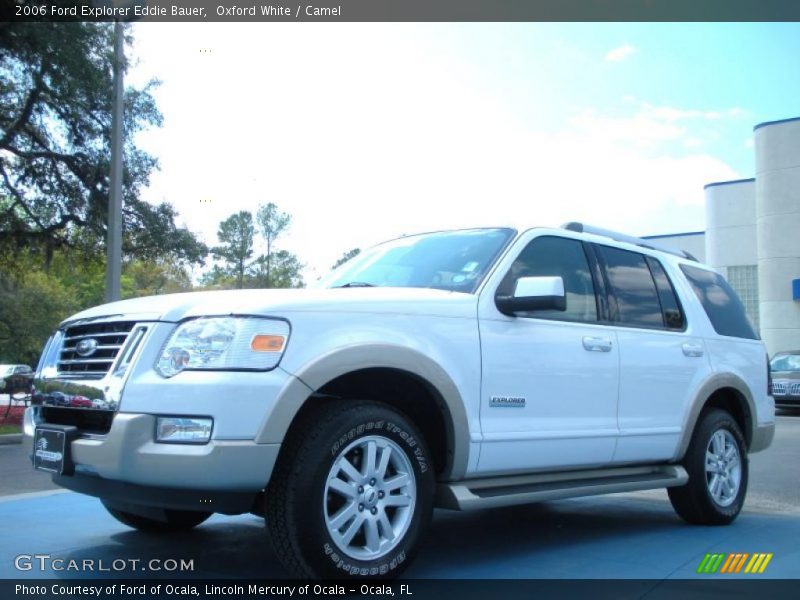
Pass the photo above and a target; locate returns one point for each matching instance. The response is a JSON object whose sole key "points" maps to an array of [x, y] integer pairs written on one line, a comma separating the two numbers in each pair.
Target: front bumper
{"points": [[128, 453]]}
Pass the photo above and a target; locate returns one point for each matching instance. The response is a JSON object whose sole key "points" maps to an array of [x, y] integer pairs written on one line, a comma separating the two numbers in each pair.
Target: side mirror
{"points": [[534, 293]]}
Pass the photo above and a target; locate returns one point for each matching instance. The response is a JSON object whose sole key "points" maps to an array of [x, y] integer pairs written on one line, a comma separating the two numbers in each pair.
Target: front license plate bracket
{"points": [[52, 445]]}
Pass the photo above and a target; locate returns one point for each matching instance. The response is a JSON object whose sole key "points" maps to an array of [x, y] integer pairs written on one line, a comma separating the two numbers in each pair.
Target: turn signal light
{"points": [[267, 343]]}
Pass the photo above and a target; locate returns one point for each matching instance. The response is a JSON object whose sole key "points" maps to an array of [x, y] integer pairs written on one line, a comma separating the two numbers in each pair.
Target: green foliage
{"points": [[346, 256], [284, 271], [271, 223], [154, 278], [55, 124], [30, 309], [236, 236], [33, 302]]}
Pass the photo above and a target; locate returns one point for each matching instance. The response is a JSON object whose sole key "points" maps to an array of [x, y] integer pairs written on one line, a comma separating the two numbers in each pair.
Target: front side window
{"points": [[549, 256], [633, 288], [722, 305], [456, 261]]}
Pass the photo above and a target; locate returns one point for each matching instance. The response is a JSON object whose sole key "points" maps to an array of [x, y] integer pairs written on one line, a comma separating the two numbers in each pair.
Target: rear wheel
{"points": [[173, 520], [716, 462], [352, 493]]}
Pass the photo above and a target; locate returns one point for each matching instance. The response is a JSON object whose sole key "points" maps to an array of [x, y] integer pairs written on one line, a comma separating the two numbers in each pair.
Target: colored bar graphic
{"points": [[733, 563]]}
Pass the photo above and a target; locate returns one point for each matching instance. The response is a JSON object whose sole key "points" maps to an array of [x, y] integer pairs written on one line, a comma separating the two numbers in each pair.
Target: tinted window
{"points": [[556, 257], [670, 307], [633, 288], [722, 305]]}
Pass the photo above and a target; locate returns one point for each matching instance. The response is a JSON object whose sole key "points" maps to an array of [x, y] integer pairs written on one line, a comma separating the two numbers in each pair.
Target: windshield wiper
{"points": [[355, 284]]}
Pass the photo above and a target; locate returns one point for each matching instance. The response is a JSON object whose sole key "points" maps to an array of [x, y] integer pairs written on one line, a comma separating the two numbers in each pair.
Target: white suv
{"points": [[461, 369]]}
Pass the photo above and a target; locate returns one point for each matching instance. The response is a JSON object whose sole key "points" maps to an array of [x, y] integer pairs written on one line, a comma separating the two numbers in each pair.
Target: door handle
{"points": [[693, 350], [596, 344]]}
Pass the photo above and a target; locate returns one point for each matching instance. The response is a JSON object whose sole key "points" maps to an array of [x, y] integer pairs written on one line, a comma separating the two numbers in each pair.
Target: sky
{"points": [[366, 131]]}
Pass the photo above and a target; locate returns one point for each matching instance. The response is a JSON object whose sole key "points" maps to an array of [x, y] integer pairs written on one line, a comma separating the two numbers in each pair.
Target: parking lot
{"points": [[634, 535]]}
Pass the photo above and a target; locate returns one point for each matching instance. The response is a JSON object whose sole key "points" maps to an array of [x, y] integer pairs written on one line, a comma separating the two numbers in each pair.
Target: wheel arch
{"points": [[727, 392], [392, 374]]}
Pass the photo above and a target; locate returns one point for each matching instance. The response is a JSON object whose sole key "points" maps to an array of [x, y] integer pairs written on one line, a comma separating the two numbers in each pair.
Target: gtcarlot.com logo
{"points": [[48, 562], [736, 562]]}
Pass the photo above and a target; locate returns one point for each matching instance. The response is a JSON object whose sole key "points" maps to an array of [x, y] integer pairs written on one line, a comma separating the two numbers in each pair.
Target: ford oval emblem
{"points": [[86, 347]]}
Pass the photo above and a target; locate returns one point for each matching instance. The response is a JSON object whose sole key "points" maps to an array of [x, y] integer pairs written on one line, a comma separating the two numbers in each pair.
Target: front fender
{"points": [[315, 374]]}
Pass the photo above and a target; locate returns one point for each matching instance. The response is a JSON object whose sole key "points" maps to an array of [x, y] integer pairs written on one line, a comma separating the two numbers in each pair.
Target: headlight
{"points": [[224, 343]]}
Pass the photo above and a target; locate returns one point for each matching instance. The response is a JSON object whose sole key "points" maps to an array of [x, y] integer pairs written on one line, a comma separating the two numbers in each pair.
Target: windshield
{"points": [[448, 260], [6, 370], [786, 362]]}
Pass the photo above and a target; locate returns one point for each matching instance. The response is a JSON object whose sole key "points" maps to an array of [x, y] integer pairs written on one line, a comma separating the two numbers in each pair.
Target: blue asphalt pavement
{"points": [[621, 536]]}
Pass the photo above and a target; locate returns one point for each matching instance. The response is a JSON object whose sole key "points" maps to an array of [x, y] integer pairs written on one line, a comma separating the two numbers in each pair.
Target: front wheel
{"points": [[352, 493], [716, 462]]}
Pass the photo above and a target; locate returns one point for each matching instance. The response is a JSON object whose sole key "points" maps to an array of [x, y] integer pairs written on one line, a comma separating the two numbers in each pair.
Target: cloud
{"points": [[620, 53], [364, 146]]}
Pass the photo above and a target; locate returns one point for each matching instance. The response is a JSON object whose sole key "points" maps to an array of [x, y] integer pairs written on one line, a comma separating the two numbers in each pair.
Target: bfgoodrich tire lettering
{"points": [[352, 492], [716, 462]]}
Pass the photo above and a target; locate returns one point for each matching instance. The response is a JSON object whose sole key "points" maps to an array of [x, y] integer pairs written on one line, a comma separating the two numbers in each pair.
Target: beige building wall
{"points": [[777, 147]]}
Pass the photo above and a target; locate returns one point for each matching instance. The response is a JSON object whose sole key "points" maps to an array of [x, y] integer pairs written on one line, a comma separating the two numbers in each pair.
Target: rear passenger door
{"points": [[661, 359]]}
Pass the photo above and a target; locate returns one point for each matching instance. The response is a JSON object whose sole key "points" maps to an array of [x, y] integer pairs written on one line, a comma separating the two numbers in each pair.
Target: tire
{"points": [[351, 494], [176, 520], [706, 500]]}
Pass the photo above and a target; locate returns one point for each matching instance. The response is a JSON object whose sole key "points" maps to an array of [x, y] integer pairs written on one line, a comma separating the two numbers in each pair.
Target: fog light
{"points": [[183, 430]]}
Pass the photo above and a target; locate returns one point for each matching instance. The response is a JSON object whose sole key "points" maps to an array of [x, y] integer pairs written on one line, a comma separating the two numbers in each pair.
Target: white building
{"points": [[753, 235]]}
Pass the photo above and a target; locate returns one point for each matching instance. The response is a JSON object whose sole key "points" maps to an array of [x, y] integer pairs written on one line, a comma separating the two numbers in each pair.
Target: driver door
{"points": [[550, 378]]}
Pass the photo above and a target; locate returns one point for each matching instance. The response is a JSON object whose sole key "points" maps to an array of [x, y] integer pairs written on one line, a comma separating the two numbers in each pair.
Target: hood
{"points": [[785, 375], [175, 307]]}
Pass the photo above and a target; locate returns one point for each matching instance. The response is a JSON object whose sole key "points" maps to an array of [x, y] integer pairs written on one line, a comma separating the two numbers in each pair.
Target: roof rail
{"points": [[622, 237]]}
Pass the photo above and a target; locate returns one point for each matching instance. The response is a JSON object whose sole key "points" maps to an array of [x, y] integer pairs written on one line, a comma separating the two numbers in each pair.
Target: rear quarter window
{"points": [[723, 307]]}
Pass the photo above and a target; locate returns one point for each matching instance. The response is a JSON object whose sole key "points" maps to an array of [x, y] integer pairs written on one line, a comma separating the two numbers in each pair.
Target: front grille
{"points": [[778, 388], [795, 389], [109, 336], [87, 421]]}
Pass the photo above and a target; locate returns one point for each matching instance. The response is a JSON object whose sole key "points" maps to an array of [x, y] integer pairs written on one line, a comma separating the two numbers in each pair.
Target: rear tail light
{"points": [[769, 378]]}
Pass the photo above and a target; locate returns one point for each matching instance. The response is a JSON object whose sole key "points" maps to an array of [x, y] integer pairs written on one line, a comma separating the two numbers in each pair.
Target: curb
{"points": [[10, 438]]}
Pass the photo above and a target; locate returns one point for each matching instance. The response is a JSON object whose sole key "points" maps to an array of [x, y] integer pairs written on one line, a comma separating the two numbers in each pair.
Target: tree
{"points": [[236, 234], [285, 271], [272, 223], [55, 129], [30, 309], [152, 278], [346, 256]]}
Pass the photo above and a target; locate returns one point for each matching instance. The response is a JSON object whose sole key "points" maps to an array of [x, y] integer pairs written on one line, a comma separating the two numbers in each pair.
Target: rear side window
{"points": [[633, 288], [722, 305], [670, 306]]}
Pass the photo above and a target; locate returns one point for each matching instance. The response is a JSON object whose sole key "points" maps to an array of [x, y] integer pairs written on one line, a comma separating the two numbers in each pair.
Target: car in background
{"points": [[8, 370], [56, 399], [15, 379], [80, 402], [785, 368]]}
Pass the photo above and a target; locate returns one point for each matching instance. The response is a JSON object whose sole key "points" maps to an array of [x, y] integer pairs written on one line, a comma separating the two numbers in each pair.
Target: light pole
{"points": [[114, 235]]}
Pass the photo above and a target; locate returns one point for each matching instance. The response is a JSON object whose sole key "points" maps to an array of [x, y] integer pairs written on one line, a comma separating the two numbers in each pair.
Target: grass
{"points": [[10, 429]]}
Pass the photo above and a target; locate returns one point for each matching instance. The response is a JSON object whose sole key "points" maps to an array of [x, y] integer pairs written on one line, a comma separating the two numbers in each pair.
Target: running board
{"points": [[492, 492]]}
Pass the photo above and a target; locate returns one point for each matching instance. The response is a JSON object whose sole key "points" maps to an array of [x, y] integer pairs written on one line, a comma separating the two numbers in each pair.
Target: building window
{"points": [[744, 279]]}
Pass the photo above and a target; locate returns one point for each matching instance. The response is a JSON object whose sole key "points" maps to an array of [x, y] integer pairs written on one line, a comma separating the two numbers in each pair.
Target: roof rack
{"points": [[622, 237]]}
